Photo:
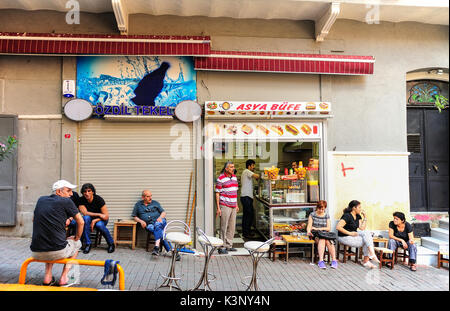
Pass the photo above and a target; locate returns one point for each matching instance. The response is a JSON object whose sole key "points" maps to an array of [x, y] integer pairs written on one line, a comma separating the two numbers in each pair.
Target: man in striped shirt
{"points": [[227, 207]]}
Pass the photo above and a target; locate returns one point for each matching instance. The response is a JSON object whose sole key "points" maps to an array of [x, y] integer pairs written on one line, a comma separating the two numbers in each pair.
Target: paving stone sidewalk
{"points": [[142, 272]]}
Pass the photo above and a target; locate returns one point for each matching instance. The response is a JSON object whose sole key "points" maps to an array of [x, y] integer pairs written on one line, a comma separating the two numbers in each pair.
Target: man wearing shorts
{"points": [[49, 230]]}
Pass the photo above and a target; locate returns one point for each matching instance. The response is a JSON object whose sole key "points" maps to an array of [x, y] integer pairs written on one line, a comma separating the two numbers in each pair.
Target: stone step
{"points": [[443, 223], [434, 244], [439, 233], [426, 256]]}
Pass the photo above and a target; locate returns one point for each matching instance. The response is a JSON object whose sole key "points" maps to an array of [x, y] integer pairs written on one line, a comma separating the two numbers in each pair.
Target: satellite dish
{"points": [[188, 111], [78, 109]]}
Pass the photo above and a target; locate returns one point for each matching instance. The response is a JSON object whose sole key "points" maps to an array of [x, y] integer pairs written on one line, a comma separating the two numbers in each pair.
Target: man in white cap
{"points": [[49, 240]]}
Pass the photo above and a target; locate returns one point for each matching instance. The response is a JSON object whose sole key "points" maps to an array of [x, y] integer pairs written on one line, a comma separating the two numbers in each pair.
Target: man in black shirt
{"points": [[95, 215], [49, 230], [71, 223]]}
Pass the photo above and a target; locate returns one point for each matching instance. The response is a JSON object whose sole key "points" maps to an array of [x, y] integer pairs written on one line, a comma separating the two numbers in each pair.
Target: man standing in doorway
{"points": [[226, 200], [247, 198]]}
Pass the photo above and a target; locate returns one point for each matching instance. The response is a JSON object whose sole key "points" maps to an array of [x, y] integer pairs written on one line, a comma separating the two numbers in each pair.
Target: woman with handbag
{"points": [[319, 228], [348, 233]]}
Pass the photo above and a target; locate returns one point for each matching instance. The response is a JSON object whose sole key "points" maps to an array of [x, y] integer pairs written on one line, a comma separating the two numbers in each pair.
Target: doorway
{"points": [[427, 138]]}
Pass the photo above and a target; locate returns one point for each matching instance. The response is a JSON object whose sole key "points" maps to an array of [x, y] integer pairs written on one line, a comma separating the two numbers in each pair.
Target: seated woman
{"points": [[319, 220], [401, 235], [348, 233]]}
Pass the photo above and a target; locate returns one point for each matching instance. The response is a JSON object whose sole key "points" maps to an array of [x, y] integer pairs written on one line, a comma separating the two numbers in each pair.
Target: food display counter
{"points": [[282, 206]]}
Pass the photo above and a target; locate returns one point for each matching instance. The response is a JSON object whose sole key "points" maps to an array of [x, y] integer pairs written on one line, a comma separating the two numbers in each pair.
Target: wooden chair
{"points": [[347, 252], [390, 258], [402, 254], [325, 254], [441, 258], [97, 238], [150, 240], [278, 247]]}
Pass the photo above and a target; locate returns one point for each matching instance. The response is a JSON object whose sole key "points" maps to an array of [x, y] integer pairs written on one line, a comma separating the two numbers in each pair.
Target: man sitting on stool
{"points": [[96, 215], [152, 218]]}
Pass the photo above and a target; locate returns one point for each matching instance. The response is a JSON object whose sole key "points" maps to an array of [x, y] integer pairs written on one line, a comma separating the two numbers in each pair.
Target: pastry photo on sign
{"points": [[246, 129], [263, 129], [277, 129]]}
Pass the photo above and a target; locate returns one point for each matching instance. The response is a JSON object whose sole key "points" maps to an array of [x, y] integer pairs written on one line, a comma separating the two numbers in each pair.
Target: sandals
{"points": [[369, 265], [413, 267], [52, 282]]}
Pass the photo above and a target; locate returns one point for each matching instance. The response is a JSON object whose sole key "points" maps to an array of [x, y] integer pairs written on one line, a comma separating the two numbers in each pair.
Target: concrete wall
{"points": [[30, 86], [369, 111]]}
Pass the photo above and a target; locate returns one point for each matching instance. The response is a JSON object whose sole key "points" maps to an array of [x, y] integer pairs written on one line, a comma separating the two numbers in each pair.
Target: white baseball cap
{"points": [[63, 183]]}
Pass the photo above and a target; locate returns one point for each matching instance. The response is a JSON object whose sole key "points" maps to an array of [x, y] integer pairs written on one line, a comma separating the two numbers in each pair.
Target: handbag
{"points": [[326, 235]]}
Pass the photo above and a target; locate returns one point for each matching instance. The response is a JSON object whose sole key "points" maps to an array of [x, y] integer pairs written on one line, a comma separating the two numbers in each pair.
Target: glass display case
{"points": [[276, 220], [283, 191]]}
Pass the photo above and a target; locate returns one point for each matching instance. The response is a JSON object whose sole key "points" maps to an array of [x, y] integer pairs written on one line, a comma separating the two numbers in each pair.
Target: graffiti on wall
{"points": [[379, 182]]}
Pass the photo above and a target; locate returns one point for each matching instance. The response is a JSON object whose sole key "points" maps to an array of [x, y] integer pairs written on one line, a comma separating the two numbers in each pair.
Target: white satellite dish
{"points": [[78, 109], [188, 111]]}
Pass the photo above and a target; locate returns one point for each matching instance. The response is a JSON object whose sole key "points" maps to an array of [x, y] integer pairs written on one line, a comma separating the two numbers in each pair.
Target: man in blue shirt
{"points": [[152, 217]]}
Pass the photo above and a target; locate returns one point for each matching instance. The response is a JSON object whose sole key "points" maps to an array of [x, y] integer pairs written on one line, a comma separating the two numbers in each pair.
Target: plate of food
{"points": [[226, 105], [211, 106], [232, 130]]}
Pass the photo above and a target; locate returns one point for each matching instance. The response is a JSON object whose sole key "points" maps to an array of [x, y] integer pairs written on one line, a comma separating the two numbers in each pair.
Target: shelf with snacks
{"points": [[276, 220]]}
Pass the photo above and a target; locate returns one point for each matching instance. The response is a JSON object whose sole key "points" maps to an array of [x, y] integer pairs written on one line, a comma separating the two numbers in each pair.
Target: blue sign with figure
{"points": [[135, 84]]}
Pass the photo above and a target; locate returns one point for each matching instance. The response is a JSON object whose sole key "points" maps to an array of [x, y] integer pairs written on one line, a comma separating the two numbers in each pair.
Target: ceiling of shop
{"points": [[425, 11]]}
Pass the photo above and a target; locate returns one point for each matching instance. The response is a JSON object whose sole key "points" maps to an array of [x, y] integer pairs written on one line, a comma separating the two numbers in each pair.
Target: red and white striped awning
{"points": [[197, 46], [286, 63], [74, 44]]}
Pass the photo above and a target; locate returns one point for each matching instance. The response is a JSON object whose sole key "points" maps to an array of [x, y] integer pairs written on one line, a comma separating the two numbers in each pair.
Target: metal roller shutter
{"points": [[121, 159]]}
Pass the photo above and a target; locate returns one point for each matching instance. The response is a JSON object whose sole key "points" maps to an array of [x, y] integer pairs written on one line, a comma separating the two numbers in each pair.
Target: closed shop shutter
{"points": [[121, 159]]}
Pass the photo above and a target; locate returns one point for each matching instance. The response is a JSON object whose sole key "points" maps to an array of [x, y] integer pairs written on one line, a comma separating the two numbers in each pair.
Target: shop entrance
{"points": [[267, 154]]}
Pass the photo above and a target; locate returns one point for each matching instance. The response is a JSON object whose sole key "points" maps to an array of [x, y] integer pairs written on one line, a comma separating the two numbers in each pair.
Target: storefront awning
{"points": [[286, 63], [75, 44]]}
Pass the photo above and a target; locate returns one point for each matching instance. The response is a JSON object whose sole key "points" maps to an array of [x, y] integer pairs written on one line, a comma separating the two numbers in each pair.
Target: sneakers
{"points": [[223, 251], [322, 265], [231, 249], [178, 257], [334, 264], [155, 251]]}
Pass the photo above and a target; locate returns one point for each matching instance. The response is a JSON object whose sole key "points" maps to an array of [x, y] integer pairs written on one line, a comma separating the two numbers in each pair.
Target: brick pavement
{"points": [[142, 271]]}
